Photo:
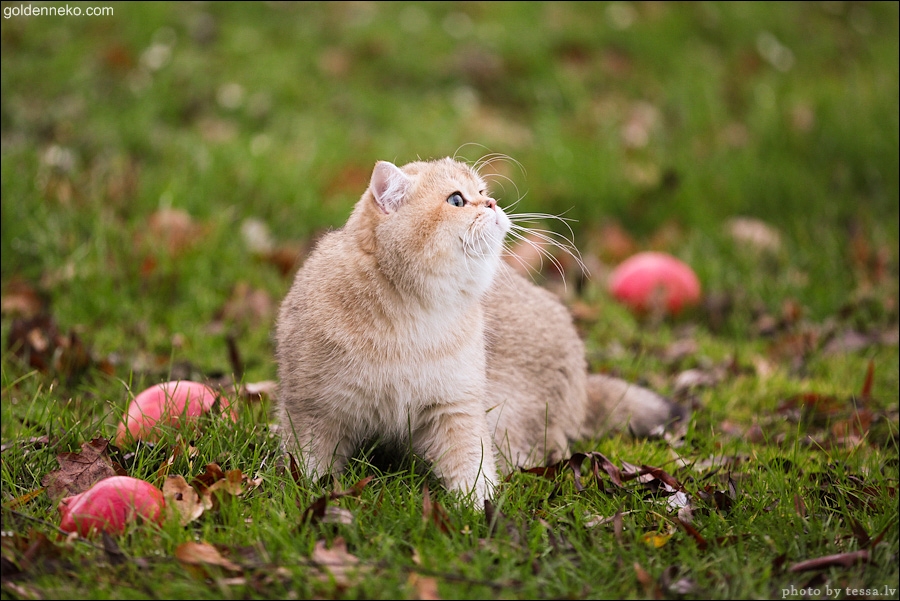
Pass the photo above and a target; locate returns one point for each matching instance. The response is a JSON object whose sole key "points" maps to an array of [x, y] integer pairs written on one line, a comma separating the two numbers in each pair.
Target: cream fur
{"points": [[406, 325]]}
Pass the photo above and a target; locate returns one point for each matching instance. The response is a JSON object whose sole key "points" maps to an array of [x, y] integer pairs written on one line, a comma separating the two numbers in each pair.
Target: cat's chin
{"points": [[486, 235]]}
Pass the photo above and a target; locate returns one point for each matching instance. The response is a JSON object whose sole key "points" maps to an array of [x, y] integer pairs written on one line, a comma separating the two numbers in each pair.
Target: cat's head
{"points": [[433, 222]]}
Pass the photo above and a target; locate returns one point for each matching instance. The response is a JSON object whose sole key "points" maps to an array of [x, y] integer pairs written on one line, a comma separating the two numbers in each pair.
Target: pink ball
{"points": [[110, 505], [172, 403], [650, 280]]}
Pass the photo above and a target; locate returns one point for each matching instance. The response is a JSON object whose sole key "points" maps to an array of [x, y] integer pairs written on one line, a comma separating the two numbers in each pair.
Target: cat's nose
{"points": [[491, 203]]}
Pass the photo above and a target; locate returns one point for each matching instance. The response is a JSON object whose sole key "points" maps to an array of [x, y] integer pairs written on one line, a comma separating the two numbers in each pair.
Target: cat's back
{"points": [[535, 368], [308, 301]]}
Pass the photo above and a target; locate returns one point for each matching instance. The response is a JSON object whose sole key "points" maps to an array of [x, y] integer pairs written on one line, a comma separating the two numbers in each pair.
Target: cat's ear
{"points": [[389, 186]]}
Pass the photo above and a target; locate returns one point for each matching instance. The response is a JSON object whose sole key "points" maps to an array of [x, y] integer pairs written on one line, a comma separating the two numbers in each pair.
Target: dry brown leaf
{"points": [[38, 342], [22, 299], [24, 499], [258, 391], [676, 586], [754, 234], [695, 534], [433, 511], [214, 485], [23, 553], [844, 560], [172, 229], [337, 515], [799, 506], [79, 471], [316, 510], [231, 484], [246, 305], [336, 562], [181, 497], [203, 555], [612, 243], [353, 491], [600, 461], [651, 589], [425, 587], [286, 257]]}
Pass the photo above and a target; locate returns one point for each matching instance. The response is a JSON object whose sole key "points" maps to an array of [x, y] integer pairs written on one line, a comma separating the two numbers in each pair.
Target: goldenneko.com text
{"points": [[27, 10]]}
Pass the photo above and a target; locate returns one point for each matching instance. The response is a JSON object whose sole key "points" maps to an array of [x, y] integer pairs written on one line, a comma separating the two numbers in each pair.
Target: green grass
{"points": [[665, 120]]}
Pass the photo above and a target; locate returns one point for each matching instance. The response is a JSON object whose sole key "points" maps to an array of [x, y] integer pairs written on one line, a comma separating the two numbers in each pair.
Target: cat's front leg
{"points": [[458, 444], [320, 448]]}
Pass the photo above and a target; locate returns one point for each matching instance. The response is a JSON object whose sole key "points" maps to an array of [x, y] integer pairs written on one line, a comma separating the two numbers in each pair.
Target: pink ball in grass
{"points": [[651, 280], [175, 404], [110, 505]]}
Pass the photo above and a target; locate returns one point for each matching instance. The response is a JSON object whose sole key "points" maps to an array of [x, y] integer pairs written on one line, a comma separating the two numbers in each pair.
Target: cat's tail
{"points": [[614, 404]]}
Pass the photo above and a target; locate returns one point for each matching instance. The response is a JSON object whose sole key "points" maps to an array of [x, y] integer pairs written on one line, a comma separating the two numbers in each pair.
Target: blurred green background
{"points": [[655, 121]]}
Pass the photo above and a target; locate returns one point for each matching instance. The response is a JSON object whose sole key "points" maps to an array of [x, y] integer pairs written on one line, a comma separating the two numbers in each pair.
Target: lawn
{"points": [[166, 167]]}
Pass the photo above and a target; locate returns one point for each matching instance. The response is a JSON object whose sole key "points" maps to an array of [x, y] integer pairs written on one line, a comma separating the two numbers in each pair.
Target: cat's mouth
{"points": [[502, 220], [486, 233]]}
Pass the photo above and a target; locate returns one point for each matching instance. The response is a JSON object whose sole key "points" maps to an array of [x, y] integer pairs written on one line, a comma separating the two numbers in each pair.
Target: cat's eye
{"points": [[456, 200]]}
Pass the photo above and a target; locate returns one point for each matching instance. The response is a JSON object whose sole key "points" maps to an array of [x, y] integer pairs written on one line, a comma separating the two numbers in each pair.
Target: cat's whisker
{"points": [[542, 253], [539, 217], [456, 154], [552, 239], [496, 156], [525, 265], [493, 157], [499, 178]]}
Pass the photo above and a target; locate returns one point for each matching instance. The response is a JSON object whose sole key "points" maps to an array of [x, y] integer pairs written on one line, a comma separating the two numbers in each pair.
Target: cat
{"points": [[407, 325]]}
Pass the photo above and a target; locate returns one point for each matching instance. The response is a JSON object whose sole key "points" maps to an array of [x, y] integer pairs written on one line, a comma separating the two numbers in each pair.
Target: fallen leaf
{"points": [[80, 471], [258, 391], [657, 539], [213, 479], [336, 562], [425, 587], [676, 586], [316, 510], [23, 553], [39, 343], [22, 299], [337, 515], [651, 589], [844, 560], [722, 500], [24, 499], [181, 497], [257, 236], [695, 534], [548, 471], [612, 243], [171, 230], [575, 462], [114, 554], [498, 523], [754, 234], [599, 461], [353, 491], [432, 511], [294, 467], [246, 305], [286, 257], [204, 555]]}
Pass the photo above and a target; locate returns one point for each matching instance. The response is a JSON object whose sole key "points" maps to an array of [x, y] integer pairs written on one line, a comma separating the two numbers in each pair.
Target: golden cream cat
{"points": [[406, 325]]}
